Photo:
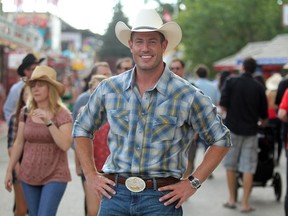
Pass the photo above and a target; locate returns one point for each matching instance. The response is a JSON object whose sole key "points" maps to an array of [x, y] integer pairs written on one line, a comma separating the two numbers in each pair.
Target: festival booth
{"points": [[271, 56]]}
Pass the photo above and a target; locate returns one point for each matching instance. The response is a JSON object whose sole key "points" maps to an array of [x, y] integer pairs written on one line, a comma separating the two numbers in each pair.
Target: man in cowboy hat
{"points": [[153, 115], [24, 70]]}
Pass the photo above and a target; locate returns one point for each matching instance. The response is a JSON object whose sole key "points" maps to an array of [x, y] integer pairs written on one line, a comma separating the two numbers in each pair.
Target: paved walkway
{"points": [[206, 202]]}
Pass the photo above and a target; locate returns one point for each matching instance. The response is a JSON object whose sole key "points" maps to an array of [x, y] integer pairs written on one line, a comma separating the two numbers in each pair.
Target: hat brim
{"points": [[170, 30], [59, 86], [24, 65]]}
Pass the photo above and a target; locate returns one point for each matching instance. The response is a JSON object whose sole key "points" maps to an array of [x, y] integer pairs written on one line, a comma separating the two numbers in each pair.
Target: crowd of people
{"points": [[137, 129]]}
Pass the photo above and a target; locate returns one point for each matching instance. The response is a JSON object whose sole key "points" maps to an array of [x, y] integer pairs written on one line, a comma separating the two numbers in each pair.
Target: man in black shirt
{"points": [[244, 100]]}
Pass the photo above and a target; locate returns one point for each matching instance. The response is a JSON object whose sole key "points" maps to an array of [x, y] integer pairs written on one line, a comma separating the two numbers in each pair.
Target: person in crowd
{"points": [[205, 84], [273, 121], [24, 70], [81, 101], [244, 100], [98, 68], [20, 207], [222, 78], [153, 115], [83, 98], [283, 85], [260, 78], [43, 140], [70, 94], [77, 81], [177, 66], [282, 115], [101, 153], [123, 64], [101, 150], [208, 88]]}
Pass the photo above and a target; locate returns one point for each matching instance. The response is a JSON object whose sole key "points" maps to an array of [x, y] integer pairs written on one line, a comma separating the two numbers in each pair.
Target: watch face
{"points": [[195, 183]]}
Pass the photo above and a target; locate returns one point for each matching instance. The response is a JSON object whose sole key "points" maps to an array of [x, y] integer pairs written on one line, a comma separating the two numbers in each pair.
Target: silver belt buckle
{"points": [[135, 184]]}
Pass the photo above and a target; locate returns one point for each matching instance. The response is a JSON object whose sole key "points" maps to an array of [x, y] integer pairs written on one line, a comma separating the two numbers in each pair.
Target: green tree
{"points": [[112, 48], [215, 29]]}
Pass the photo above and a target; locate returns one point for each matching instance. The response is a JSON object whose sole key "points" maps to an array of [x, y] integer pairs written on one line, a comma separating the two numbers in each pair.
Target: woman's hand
{"points": [[8, 181], [42, 114]]}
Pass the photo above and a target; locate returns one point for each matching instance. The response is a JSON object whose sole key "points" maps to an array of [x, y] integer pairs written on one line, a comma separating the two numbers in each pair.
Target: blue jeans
{"points": [[145, 203], [43, 200]]}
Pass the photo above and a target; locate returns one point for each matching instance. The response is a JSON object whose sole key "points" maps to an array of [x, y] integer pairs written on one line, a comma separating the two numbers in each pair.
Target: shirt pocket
{"points": [[119, 122], [164, 128]]}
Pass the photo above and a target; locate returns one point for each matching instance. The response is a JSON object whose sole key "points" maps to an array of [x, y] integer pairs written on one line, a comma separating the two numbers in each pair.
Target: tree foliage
{"points": [[215, 29], [112, 48]]}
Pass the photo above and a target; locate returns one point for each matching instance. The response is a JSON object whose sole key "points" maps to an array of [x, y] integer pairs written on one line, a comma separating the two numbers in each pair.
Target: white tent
{"points": [[265, 52]]}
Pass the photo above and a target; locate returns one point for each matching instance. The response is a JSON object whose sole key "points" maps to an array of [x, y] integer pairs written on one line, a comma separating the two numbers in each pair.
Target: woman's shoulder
{"points": [[63, 116]]}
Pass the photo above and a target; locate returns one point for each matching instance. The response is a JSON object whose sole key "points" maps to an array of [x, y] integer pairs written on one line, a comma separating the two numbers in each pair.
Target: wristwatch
{"points": [[49, 123], [195, 183]]}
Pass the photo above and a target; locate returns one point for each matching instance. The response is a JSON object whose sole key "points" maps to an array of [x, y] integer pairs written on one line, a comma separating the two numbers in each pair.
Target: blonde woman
{"points": [[44, 139]]}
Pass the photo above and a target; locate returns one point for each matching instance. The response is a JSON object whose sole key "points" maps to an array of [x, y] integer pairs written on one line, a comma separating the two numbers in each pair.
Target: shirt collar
{"points": [[161, 85]]}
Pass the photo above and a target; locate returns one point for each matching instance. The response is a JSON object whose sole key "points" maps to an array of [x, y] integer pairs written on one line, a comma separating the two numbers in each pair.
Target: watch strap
{"points": [[191, 177], [49, 123]]}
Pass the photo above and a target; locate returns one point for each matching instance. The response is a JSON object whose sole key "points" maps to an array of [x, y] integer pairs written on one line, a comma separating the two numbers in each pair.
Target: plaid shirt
{"points": [[150, 135]]}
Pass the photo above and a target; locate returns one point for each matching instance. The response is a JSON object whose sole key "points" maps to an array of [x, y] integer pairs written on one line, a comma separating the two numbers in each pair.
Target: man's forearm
{"points": [[84, 151], [211, 160]]}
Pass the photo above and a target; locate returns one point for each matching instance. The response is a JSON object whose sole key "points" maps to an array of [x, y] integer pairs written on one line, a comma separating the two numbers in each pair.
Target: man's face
{"points": [[29, 70], [177, 68], [125, 65], [103, 70], [147, 50]]}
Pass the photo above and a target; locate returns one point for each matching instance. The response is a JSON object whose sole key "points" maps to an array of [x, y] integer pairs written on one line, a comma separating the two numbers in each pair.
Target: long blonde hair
{"points": [[55, 102]]}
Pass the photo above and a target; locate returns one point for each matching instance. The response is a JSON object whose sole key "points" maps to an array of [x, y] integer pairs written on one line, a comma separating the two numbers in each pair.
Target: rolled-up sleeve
{"points": [[207, 123], [90, 118]]}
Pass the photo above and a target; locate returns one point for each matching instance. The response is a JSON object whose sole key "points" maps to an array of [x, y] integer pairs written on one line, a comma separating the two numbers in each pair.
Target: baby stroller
{"points": [[266, 163]]}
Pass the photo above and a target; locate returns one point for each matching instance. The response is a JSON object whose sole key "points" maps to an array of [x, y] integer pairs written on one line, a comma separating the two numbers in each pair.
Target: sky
{"points": [[84, 14]]}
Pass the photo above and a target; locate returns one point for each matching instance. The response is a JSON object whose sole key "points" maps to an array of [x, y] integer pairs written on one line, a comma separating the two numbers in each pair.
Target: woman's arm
{"points": [[62, 135], [15, 155]]}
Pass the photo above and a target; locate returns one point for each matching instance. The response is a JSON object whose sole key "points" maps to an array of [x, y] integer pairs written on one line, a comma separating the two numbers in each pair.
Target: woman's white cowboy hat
{"points": [[273, 81], [48, 74], [148, 20]]}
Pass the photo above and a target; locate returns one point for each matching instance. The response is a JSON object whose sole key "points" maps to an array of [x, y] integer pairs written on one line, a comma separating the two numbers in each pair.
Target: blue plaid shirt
{"points": [[150, 135]]}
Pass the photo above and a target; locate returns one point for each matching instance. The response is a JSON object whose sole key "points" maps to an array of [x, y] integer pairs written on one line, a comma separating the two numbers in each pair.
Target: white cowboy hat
{"points": [[48, 74], [148, 20], [273, 81]]}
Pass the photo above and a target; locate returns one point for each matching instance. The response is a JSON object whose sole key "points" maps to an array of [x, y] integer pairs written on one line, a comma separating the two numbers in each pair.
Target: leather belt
{"points": [[150, 183]]}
